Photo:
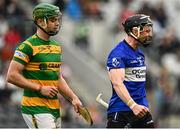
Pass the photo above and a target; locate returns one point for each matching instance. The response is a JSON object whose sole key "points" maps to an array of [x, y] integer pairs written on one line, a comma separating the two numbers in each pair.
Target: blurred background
{"points": [[90, 29]]}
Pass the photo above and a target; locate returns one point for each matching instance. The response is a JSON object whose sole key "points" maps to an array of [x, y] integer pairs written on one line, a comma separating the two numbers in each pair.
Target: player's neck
{"points": [[42, 35], [132, 42]]}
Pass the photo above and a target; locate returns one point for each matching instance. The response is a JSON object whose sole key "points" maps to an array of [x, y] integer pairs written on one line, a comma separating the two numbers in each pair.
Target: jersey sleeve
{"points": [[115, 61], [23, 53]]}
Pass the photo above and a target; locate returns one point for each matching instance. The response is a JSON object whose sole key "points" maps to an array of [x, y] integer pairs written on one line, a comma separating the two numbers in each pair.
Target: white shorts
{"points": [[44, 120]]}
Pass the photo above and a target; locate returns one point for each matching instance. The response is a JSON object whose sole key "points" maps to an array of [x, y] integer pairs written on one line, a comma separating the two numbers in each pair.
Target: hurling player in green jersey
{"points": [[35, 67]]}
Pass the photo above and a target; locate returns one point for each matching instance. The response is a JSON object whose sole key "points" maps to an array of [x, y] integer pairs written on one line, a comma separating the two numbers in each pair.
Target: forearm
{"points": [[65, 90], [18, 80], [123, 93]]}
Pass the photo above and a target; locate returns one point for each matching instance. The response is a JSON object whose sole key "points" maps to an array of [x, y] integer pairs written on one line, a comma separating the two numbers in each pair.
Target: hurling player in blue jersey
{"points": [[128, 106]]}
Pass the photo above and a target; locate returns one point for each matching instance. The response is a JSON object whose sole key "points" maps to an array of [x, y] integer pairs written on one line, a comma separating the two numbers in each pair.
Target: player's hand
{"points": [[140, 110], [76, 104], [49, 91]]}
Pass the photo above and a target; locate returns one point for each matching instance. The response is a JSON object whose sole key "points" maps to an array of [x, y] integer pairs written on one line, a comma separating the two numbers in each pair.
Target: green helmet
{"points": [[45, 10]]}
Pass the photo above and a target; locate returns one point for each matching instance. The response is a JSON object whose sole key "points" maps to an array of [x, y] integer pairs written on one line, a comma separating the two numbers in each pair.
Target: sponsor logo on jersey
{"points": [[44, 66], [135, 74], [20, 55]]}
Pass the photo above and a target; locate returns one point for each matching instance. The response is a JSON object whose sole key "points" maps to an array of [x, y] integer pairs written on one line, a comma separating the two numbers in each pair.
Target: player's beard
{"points": [[145, 41]]}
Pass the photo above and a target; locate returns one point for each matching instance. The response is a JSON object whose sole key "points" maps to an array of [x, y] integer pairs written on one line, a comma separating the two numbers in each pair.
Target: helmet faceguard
{"points": [[140, 23], [45, 11]]}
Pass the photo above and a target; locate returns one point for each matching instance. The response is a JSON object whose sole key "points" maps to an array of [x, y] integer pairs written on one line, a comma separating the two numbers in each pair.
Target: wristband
{"points": [[132, 106], [131, 103]]}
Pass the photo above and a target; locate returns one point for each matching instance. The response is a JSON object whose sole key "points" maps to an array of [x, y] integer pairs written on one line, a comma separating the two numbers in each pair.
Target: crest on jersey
{"points": [[21, 46], [115, 62]]}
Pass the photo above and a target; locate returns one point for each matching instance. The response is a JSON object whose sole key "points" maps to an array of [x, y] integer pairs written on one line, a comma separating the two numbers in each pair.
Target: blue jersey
{"points": [[133, 61]]}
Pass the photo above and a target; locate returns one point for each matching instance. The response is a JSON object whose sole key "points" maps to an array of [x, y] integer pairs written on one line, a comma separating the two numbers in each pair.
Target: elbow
{"points": [[10, 77], [115, 82], [117, 85]]}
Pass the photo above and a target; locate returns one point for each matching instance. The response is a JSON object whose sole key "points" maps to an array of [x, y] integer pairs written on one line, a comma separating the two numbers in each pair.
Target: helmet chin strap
{"points": [[51, 33], [145, 44], [134, 36]]}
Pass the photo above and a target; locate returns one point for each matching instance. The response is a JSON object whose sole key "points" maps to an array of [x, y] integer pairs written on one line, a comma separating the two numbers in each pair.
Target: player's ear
{"points": [[40, 22]]}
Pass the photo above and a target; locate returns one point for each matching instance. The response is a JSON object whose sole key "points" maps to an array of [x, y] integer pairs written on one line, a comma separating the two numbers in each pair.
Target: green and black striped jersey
{"points": [[42, 60]]}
